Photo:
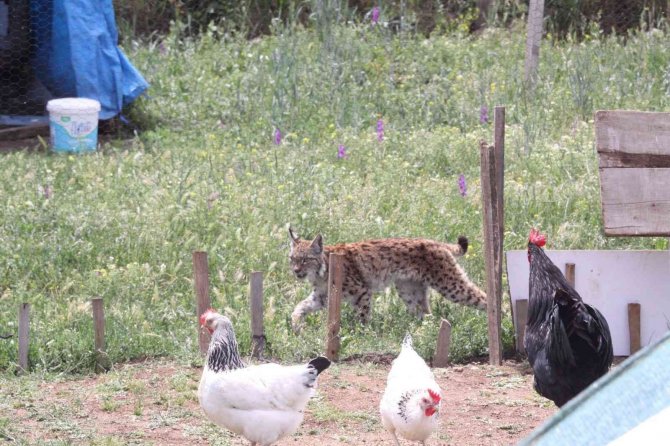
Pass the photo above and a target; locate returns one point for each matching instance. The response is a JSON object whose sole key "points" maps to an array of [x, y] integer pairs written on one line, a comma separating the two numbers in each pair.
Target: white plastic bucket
{"points": [[73, 124]]}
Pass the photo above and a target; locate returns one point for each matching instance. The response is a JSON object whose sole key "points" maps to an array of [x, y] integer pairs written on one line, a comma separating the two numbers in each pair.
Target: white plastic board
{"points": [[610, 280]]}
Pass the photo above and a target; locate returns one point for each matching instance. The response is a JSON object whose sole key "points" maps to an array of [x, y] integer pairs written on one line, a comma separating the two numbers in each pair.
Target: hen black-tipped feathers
{"points": [[463, 243], [320, 364]]}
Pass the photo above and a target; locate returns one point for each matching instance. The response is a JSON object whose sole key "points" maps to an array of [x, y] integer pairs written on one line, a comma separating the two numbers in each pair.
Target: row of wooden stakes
{"points": [[201, 285]]}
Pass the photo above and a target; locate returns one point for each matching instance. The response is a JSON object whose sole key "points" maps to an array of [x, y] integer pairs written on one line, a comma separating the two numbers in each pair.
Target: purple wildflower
{"points": [[484, 115], [342, 151], [462, 186], [375, 15], [47, 191], [277, 137], [380, 130]]}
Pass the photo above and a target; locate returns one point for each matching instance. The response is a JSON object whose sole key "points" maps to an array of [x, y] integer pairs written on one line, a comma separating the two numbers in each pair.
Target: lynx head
{"points": [[306, 257]]}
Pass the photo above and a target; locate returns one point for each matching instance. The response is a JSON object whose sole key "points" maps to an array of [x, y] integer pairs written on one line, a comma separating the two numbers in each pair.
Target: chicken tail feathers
{"points": [[320, 364], [463, 243], [407, 341]]}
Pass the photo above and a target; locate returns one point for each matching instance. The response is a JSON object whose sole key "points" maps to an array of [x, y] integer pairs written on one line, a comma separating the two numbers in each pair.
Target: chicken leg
{"points": [[395, 437]]}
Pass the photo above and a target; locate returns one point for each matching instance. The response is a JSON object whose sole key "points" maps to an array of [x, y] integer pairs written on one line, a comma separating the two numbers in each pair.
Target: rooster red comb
{"points": [[536, 238], [434, 396], [204, 315]]}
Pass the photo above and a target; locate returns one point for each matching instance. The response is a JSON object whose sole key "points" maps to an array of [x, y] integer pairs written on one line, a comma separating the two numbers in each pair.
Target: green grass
{"points": [[122, 223]]}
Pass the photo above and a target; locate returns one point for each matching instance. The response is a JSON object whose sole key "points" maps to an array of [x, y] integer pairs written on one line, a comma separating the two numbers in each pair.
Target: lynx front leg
{"points": [[363, 306], [314, 302]]}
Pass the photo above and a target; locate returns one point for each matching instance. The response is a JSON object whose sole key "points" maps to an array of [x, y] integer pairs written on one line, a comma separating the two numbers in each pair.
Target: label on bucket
{"points": [[74, 133]]}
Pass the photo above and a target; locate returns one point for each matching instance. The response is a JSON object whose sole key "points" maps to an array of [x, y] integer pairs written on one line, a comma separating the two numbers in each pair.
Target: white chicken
{"points": [[411, 401], [262, 403]]}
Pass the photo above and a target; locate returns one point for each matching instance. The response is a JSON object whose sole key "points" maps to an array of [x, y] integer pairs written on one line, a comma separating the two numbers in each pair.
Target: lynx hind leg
{"points": [[455, 285], [415, 296]]}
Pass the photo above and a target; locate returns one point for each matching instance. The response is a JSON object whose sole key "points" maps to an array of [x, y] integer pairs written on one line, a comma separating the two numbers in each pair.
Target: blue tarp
{"points": [[629, 396], [77, 53]]}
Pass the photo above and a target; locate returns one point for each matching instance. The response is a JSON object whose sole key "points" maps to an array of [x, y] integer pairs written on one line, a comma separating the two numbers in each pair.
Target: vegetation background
{"points": [[199, 166]]}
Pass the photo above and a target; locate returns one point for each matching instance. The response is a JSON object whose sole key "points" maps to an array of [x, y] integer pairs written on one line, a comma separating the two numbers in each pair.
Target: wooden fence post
{"points": [[443, 343], [492, 248], [24, 335], [634, 311], [570, 274], [335, 279], [533, 39], [102, 363], [256, 301], [499, 148], [201, 285], [520, 319]]}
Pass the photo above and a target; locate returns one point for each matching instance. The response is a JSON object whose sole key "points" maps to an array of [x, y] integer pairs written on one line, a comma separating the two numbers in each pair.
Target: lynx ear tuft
{"points": [[294, 237], [317, 244]]}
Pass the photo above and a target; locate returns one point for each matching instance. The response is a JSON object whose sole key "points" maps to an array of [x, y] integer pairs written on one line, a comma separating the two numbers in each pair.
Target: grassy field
{"points": [[205, 174]]}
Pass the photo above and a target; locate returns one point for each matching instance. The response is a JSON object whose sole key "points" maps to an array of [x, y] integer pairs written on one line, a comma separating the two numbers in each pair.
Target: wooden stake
{"points": [[256, 300], [335, 279], [102, 363], [492, 246], [634, 311], [443, 343], [24, 335], [570, 274], [533, 39], [499, 148], [201, 285], [520, 320]]}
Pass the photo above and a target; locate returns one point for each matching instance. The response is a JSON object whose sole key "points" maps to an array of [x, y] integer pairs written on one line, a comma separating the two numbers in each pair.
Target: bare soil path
{"points": [[155, 402]]}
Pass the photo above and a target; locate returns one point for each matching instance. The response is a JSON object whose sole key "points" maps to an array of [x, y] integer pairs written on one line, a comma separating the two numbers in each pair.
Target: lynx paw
{"points": [[296, 322]]}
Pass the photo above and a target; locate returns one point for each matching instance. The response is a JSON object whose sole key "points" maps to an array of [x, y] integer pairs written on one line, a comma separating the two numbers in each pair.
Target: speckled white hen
{"points": [[411, 401], [262, 403]]}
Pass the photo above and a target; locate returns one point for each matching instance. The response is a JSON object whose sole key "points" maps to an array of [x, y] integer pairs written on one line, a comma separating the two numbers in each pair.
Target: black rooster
{"points": [[568, 342]]}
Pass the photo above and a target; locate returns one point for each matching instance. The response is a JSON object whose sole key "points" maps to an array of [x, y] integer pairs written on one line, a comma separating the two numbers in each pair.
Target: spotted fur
{"points": [[411, 265]]}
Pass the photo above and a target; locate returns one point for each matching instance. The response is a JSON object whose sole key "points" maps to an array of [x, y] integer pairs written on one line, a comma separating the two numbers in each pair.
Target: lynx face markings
{"points": [[411, 265]]}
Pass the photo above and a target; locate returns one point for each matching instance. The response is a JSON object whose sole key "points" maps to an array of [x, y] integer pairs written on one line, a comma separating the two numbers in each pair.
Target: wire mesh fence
{"points": [[24, 25], [26, 40]]}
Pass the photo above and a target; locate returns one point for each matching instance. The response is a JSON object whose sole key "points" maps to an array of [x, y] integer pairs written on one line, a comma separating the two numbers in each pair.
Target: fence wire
{"points": [[25, 28]]}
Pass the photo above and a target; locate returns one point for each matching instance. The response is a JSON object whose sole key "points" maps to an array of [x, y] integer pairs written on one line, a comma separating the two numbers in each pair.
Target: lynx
{"points": [[411, 265]]}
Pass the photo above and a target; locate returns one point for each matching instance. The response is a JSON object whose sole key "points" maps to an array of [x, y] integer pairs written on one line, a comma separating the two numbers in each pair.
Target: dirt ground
{"points": [[155, 402]]}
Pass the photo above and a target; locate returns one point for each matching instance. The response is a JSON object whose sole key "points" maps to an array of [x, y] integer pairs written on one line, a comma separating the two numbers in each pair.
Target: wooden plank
{"points": [[24, 336], [635, 201], [335, 279], [520, 320], [493, 268], [632, 132], [257, 328], [443, 343], [23, 132], [201, 286], [570, 274], [533, 39], [628, 160], [634, 328]]}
